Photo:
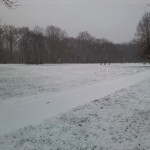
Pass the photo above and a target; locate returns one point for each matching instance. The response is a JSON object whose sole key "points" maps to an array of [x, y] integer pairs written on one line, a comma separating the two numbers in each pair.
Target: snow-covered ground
{"points": [[31, 94], [17, 81], [120, 121]]}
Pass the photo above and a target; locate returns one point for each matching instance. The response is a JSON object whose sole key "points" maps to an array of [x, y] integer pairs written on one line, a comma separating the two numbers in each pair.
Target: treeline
{"points": [[53, 45]]}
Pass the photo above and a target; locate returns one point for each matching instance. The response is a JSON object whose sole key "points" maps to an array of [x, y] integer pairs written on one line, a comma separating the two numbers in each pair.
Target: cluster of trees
{"points": [[52, 45], [143, 34]]}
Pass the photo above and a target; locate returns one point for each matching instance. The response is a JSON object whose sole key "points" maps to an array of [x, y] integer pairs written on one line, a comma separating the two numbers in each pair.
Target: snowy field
{"points": [[119, 121], [17, 81], [31, 94]]}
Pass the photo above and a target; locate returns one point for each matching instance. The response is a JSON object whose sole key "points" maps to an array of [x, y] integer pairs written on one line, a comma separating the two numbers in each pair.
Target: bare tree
{"points": [[55, 36], [10, 39], [9, 3], [25, 44], [55, 32], [38, 45], [143, 34], [85, 36], [1, 42]]}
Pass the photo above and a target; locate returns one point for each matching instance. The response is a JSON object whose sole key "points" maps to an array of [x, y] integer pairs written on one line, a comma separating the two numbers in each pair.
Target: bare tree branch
{"points": [[10, 3]]}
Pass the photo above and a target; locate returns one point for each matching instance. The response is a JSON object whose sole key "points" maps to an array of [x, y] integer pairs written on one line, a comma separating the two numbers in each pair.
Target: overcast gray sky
{"points": [[115, 20]]}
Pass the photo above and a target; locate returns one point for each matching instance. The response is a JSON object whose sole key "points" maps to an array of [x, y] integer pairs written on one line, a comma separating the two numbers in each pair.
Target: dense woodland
{"points": [[53, 45]]}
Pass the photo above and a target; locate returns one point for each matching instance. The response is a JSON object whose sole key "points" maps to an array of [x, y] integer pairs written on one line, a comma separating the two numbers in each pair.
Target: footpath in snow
{"points": [[120, 121], [31, 112]]}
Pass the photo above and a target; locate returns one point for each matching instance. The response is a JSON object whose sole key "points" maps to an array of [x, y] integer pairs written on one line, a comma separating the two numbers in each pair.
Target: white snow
{"points": [[76, 85], [17, 81], [120, 121]]}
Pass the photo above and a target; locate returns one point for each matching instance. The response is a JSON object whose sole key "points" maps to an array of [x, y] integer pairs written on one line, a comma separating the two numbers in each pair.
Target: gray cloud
{"points": [[115, 20]]}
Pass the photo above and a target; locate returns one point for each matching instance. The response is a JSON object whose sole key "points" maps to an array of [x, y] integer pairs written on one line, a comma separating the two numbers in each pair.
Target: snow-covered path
{"points": [[14, 115]]}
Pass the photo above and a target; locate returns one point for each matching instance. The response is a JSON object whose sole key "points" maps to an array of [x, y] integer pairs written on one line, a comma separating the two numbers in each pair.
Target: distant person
{"points": [[101, 61], [105, 61]]}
